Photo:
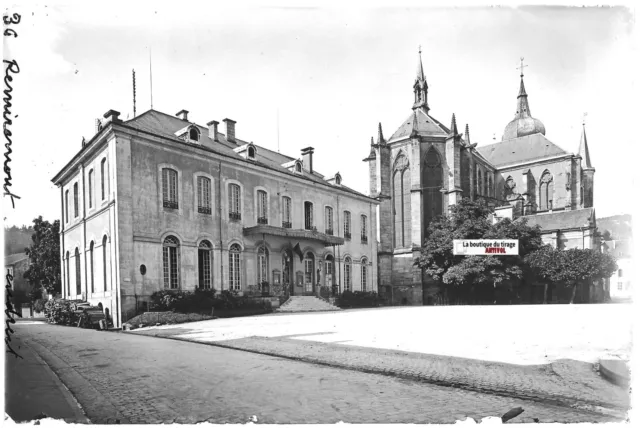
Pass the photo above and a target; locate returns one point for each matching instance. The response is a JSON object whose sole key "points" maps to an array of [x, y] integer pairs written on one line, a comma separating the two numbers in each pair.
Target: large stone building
{"points": [[159, 202], [425, 167]]}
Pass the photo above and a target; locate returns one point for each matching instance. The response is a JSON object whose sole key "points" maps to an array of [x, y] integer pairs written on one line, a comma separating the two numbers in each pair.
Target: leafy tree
{"points": [[468, 274], [571, 268], [44, 255]]}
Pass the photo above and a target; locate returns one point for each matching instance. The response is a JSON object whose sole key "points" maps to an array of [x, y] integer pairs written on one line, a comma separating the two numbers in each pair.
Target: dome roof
{"points": [[523, 123]]}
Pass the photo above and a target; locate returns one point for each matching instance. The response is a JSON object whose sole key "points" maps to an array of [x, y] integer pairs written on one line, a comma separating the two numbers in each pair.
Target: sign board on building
{"points": [[485, 247]]}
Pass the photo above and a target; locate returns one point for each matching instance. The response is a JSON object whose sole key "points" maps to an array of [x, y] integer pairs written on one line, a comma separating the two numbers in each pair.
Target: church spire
{"points": [[523, 101], [420, 87], [380, 137], [583, 150]]}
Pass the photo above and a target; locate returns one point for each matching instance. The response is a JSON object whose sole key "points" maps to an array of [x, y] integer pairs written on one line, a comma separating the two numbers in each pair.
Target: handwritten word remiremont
{"points": [[11, 67]]}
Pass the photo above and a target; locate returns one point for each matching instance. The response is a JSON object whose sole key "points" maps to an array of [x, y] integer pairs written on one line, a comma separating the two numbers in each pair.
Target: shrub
{"points": [[359, 299], [38, 305], [60, 311]]}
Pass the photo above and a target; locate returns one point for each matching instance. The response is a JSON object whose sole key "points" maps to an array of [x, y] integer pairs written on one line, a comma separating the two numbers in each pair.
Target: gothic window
{"points": [[234, 202], [546, 191], [169, 188], [104, 262], [363, 274], [91, 266], [90, 188], [204, 195], [347, 273], [432, 182], [347, 225], [364, 236], [263, 265], [486, 183], [103, 178], [204, 264], [308, 215], [286, 212], [491, 185], [328, 220], [401, 202], [478, 181], [170, 257], [75, 201], [262, 207], [234, 267], [78, 274], [465, 175], [581, 195]]}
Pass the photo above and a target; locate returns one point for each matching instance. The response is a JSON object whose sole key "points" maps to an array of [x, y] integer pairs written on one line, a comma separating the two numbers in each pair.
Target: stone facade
{"points": [[171, 217], [524, 175]]}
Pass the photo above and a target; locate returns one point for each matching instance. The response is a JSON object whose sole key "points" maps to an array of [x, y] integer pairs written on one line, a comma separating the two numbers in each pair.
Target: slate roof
{"points": [[167, 125], [427, 127], [14, 258], [584, 217], [521, 149]]}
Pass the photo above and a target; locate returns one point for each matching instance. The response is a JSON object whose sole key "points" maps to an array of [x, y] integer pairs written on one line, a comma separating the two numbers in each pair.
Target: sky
{"points": [[294, 77]]}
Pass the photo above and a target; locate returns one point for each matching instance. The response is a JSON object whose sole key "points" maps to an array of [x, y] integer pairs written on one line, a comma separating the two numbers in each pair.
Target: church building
{"points": [[424, 167]]}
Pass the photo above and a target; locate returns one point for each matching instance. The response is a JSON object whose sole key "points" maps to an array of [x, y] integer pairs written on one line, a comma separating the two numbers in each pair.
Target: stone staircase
{"points": [[306, 304]]}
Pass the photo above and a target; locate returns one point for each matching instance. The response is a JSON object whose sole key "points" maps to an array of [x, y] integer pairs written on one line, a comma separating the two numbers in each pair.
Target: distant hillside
{"points": [[17, 239], [618, 226]]}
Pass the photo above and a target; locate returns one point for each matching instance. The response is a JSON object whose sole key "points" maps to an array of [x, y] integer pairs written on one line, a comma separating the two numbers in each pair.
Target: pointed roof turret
{"points": [[380, 137], [523, 123], [454, 126], [420, 87], [583, 150], [467, 138], [372, 153]]}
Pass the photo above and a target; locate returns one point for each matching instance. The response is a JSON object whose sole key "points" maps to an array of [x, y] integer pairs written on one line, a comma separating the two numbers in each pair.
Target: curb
{"points": [[597, 407], [613, 374]]}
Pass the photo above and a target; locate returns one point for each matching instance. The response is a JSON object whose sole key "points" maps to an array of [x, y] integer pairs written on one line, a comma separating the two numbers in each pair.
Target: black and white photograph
{"points": [[311, 212]]}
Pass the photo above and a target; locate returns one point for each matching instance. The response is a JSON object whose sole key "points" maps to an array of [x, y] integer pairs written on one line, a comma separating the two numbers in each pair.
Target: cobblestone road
{"points": [[139, 379]]}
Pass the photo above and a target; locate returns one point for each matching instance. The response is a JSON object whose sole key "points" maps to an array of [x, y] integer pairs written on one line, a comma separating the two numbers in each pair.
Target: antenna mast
{"points": [[134, 92]]}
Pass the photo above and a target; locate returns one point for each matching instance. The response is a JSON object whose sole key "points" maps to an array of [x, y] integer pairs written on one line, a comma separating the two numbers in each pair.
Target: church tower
{"points": [[420, 87], [588, 171]]}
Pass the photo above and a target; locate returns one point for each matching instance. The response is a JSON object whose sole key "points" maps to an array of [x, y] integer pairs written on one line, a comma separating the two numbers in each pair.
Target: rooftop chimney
{"points": [[231, 129], [213, 129], [183, 114], [111, 116], [307, 159]]}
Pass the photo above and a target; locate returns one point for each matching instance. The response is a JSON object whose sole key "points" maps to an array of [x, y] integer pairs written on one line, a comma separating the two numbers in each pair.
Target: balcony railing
{"points": [[329, 231], [170, 204], [286, 224], [347, 236], [235, 216], [204, 210], [263, 220]]}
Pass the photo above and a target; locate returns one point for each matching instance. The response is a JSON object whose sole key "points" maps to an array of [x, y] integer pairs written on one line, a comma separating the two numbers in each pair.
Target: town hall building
{"points": [[424, 167]]}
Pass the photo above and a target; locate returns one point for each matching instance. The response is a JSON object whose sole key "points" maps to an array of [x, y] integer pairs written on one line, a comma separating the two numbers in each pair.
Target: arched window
{"points": [[347, 273], [308, 215], [364, 236], [104, 262], [363, 274], [486, 183], [170, 257], [478, 181], [169, 188], [347, 225], [465, 176], [68, 276], [91, 267], [76, 208], [286, 212], [298, 167], [78, 273], [103, 178], [432, 183], [546, 191], [252, 152], [263, 265], [204, 264], [263, 211], [401, 201], [194, 134], [491, 186], [204, 195], [91, 189], [581, 195], [328, 220], [234, 202], [234, 267]]}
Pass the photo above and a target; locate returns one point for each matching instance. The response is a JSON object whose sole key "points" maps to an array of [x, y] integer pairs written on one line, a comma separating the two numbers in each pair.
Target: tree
{"points": [[468, 274], [44, 256], [571, 268]]}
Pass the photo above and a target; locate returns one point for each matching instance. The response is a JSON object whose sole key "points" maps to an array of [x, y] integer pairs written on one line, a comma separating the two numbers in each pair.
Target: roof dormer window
{"points": [[299, 167], [251, 152], [194, 134], [338, 179]]}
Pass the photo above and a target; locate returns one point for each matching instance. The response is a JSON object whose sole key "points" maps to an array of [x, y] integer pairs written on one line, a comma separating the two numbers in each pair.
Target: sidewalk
{"points": [[565, 383], [33, 390]]}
